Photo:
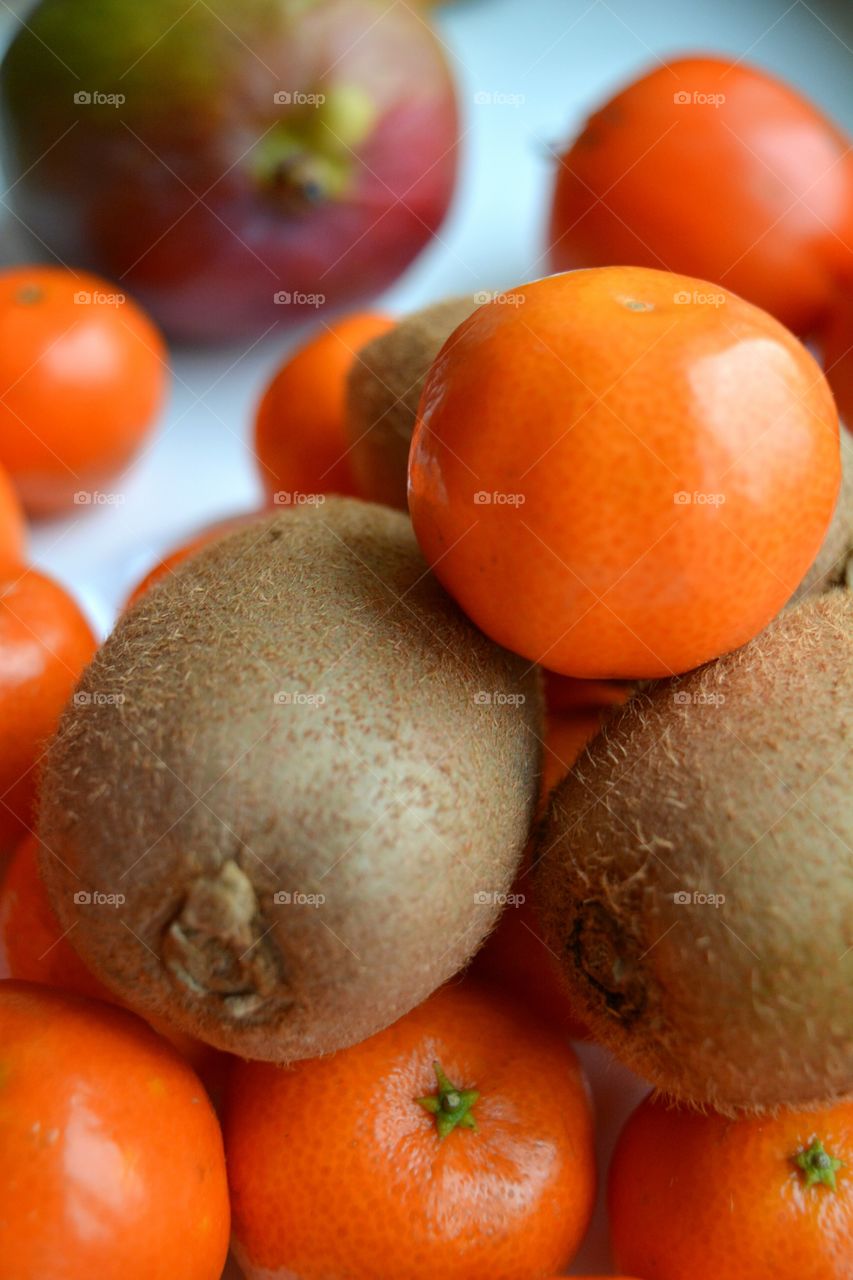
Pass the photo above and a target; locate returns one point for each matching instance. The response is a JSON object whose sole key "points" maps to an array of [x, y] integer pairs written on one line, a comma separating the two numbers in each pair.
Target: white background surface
{"points": [[559, 59]]}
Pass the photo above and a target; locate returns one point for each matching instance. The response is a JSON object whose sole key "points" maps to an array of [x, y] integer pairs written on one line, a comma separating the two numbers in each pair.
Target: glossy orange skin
{"points": [[170, 562], [111, 1157], [838, 354], [81, 384], [34, 948], [337, 1173], [703, 1196], [300, 438], [597, 404], [45, 642], [754, 193], [13, 531]]}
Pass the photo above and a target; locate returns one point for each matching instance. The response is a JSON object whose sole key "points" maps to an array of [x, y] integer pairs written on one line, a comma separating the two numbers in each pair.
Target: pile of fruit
{"points": [[521, 714]]}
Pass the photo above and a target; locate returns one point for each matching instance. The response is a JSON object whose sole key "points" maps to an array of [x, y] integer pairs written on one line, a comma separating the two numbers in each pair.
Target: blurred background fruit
{"points": [[710, 167], [383, 391], [83, 375], [300, 432], [527, 76], [234, 166]]}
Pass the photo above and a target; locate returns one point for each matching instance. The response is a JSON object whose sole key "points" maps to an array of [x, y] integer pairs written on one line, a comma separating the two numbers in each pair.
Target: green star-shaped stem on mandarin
{"points": [[818, 1165], [450, 1106]]}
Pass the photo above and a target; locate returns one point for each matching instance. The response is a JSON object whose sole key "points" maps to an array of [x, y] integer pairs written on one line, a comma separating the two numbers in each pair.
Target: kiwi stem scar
{"points": [[606, 956], [451, 1106]]}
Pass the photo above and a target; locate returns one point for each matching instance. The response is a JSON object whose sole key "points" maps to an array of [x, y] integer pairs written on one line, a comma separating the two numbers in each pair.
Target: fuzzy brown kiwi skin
{"points": [[732, 780], [833, 564], [177, 781], [383, 393]]}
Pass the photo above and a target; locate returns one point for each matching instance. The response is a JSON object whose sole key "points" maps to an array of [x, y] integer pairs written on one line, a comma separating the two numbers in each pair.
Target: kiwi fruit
{"points": [[291, 788], [383, 393], [695, 872], [833, 564]]}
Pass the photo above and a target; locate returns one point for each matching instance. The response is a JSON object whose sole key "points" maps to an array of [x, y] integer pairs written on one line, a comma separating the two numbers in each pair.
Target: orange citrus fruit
{"points": [[111, 1158], [712, 168], [300, 438], [456, 1143], [705, 1196], [620, 472]]}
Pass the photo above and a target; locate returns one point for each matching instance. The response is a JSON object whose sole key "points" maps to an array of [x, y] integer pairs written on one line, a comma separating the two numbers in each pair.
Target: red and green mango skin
{"points": [[202, 194]]}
